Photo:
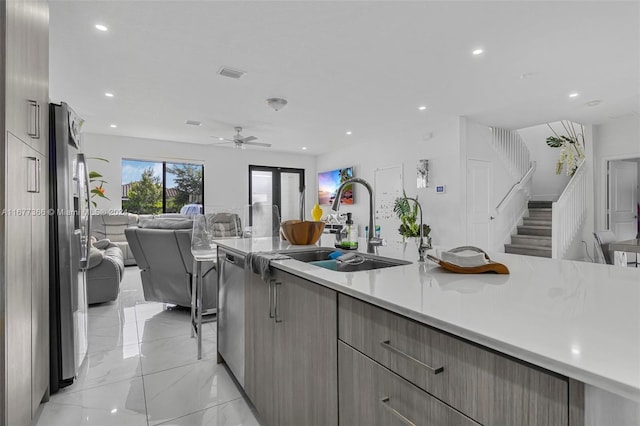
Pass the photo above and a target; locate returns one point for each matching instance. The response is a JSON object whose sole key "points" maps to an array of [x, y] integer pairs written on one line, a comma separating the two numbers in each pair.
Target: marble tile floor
{"points": [[142, 369]]}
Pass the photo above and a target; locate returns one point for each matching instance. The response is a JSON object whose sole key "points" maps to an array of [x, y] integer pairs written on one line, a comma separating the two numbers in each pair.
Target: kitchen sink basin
{"points": [[365, 262]]}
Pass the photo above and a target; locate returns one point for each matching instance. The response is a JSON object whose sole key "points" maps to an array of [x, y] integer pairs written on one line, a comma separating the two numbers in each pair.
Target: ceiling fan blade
{"points": [[266, 145], [249, 139]]}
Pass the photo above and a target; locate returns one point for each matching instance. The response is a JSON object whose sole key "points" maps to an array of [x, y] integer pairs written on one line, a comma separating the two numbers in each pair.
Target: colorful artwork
{"points": [[328, 183]]}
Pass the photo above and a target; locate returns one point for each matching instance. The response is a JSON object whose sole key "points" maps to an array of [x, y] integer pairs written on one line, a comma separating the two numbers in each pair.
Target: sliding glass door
{"points": [[279, 186]]}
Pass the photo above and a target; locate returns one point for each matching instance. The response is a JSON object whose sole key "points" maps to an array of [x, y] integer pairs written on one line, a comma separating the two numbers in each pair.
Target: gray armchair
{"points": [[104, 273], [111, 227], [162, 250]]}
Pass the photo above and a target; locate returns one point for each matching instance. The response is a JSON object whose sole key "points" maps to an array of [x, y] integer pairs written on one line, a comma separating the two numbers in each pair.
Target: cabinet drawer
{"points": [[371, 395], [490, 388]]}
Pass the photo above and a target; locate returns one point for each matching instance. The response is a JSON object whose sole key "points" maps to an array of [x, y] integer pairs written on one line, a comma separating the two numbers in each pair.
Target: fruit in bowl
{"points": [[299, 232]]}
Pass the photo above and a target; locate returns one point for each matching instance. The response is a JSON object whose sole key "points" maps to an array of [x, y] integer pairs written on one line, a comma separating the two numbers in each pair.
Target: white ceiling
{"points": [[359, 66]]}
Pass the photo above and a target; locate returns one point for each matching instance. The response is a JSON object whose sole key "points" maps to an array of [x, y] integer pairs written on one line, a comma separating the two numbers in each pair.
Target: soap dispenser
{"points": [[351, 242]]}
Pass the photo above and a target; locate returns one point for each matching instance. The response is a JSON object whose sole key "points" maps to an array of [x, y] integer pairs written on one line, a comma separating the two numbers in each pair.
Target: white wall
{"points": [[226, 170], [443, 212], [546, 185], [613, 140]]}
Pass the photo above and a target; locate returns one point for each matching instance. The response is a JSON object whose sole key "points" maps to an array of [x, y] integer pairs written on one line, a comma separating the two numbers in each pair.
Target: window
{"points": [[279, 186], [152, 187]]}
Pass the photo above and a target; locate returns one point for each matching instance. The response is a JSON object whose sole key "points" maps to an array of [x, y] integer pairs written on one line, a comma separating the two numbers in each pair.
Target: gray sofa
{"points": [[162, 250], [112, 227], [105, 270]]}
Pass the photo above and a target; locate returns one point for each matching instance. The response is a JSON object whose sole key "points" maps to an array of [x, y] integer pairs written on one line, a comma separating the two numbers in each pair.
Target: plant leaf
{"points": [[554, 142]]}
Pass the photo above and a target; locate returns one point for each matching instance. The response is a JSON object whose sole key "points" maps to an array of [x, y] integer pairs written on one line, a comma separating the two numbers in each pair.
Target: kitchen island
{"points": [[573, 319]]}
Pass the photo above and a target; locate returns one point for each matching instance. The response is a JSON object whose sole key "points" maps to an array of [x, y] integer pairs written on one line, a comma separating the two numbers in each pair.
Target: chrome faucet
{"points": [[422, 248], [373, 241]]}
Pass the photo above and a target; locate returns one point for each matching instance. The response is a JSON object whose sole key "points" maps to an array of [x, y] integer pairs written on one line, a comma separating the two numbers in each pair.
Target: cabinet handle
{"points": [[275, 303], [38, 171], [33, 129], [270, 284], [386, 404], [386, 344], [33, 175]]}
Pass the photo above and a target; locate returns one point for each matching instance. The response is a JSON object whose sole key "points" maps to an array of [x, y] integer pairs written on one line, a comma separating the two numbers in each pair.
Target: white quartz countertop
{"points": [[581, 320]]}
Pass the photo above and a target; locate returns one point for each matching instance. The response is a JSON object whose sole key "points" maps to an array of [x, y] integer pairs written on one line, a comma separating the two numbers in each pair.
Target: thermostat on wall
{"points": [[441, 189]]}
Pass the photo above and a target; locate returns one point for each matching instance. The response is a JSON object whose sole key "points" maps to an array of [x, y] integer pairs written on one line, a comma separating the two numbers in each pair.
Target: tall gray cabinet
{"points": [[291, 350], [24, 278]]}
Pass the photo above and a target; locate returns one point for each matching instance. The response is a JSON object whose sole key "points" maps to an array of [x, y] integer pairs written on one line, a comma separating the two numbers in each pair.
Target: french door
{"points": [[280, 186]]}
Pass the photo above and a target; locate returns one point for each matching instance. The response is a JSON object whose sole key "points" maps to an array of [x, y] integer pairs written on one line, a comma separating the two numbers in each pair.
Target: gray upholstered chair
{"points": [[111, 227], [162, 250], [105, 270]]}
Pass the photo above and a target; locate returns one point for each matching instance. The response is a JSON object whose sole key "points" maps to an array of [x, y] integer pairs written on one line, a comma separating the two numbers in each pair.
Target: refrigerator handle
{"points": [[83, 161]]}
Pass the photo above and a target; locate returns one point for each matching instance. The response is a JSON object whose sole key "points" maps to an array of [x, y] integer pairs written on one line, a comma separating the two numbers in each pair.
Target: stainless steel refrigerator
{"points": [[69, 227]]}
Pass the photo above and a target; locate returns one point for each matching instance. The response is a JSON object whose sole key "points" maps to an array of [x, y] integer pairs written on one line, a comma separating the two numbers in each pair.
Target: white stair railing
{"points": [[517, 161], [512, 151], [568, 213]]}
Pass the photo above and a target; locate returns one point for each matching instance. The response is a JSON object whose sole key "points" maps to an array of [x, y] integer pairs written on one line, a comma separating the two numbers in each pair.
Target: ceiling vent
{"points": [[193, 123], [231, 72]]}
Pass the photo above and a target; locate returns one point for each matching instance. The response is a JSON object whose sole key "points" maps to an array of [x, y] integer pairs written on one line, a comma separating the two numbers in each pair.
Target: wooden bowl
{"points": [[301, 233]]}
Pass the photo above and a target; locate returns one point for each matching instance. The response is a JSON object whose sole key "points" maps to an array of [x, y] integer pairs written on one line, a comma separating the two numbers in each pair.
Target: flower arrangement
{"points": [[571, 148], [97, 183]]}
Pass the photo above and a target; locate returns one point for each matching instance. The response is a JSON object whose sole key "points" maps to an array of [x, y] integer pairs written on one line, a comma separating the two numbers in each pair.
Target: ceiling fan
{"points": [[239, 141]]}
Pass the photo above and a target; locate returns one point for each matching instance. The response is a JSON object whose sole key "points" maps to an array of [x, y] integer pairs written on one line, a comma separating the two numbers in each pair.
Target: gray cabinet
{"points": [[291, 350], [27, 71], [484, 385], [27, 282], [371, 395], [24, 282]]}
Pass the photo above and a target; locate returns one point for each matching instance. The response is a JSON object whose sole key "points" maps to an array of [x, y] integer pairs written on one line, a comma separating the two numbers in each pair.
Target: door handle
{"points": [[387, 345], [386, 403], [275, 303]]}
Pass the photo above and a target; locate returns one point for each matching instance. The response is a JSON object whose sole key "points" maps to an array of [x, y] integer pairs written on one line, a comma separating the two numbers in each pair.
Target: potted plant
{"points": [[571, 147], [96, 181], [409, 220]]}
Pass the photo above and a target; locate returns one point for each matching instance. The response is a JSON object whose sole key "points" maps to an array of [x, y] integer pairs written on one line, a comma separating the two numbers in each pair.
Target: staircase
{"points": [[534, 235]]}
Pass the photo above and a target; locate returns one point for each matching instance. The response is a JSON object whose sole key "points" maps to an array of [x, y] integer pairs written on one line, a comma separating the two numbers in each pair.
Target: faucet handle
{"points": [[377, 241]]}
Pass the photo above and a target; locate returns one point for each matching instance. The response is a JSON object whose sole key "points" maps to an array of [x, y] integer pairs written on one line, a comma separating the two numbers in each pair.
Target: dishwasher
{"points": [[231, 311]]}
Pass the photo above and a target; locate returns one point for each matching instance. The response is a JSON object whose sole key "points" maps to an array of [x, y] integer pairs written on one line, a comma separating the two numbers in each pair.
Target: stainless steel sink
{"points": [[320, 258]]}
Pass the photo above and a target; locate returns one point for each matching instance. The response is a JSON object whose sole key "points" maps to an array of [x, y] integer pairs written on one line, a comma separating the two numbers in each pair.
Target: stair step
{"points": [[531, 240], [534, 230], [540, 204], [536, 221], [526, 250], [539, 212]]}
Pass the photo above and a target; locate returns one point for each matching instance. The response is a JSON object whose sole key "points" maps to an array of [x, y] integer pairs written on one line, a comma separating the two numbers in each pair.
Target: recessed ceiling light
{"points": [[109, 95], [573, 95], [113, 126], [422, 108], [101, 27], [477, 52], [349, 132], [304, 148], [220, 139], [593, 103]]}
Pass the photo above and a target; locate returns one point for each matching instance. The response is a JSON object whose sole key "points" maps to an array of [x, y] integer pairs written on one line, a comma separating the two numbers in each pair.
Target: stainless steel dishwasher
{"points": [[231, 311]]}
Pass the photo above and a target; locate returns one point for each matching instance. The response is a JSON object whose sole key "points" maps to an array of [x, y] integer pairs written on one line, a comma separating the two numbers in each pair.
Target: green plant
{"points": [[571, 150], [96, 178], [409, 220]]}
